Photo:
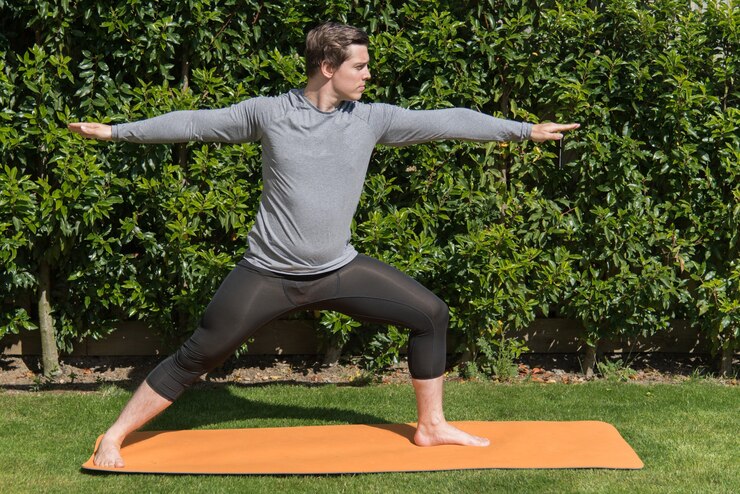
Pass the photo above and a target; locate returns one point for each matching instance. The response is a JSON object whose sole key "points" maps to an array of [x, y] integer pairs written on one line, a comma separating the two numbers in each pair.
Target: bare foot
{"points": [[444, 433], [108, 454]]}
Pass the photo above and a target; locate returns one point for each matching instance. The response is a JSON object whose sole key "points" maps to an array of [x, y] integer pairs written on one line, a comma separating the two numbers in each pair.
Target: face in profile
{"points": [[348, 80]]}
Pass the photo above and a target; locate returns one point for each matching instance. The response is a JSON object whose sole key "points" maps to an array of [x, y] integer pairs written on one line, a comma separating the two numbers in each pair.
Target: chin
{"points": [[352, 96]]}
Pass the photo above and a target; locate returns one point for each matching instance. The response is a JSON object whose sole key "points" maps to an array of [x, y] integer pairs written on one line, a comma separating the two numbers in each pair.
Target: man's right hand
{"points": [[92, 130]]}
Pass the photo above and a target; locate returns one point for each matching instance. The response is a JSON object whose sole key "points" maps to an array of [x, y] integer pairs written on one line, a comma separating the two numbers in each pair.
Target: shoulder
{"points": [[264, 109], [266, 102], [375, 116], [373, 113]]}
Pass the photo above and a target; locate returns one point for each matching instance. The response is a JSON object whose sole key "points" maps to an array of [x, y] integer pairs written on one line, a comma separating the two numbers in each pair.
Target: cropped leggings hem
{"points": [[249, 298]]}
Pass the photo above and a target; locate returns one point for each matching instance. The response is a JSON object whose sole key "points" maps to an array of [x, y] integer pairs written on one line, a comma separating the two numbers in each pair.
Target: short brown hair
{"points": [[329, 42]]}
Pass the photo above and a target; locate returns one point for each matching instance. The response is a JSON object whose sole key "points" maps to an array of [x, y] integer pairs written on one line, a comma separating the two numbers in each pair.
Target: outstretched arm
{"points": [[398, 126], [92, 130], [238, 123]]}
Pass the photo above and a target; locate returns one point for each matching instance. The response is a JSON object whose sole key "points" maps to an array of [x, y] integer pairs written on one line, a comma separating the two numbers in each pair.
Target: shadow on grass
{"points": [[203, 408]]}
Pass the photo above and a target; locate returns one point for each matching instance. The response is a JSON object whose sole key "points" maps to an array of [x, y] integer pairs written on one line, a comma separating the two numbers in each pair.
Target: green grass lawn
{"points": [[686, 434]]}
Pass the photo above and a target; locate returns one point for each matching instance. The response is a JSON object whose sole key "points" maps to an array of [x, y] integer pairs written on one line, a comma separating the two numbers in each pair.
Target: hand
{"points": [[92, 130], [550, 131]]}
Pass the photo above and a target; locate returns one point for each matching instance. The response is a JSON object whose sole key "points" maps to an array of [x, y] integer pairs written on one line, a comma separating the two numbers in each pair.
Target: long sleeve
{"points": [[242, 122], [398, 126]]}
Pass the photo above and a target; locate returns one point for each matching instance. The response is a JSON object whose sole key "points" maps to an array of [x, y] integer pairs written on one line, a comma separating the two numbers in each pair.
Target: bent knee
{"points": [[439, 315]]}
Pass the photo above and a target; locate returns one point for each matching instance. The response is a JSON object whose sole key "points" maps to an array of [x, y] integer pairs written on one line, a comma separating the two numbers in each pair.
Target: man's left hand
{"points": [[550, 131]]}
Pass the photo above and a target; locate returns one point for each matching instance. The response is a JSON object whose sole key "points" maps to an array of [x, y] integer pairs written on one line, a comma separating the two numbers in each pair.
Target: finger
{"points": [[547, 136], [566, 127], [90, 130], [79, 128], [557, 128], [82, 128]]}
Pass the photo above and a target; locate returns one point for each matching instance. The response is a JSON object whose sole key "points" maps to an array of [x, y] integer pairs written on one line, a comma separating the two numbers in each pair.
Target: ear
{"points": [[327, 69]]}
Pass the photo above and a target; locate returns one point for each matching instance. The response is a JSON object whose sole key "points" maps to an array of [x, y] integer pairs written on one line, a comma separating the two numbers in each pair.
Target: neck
{"points": [[320, 93]]}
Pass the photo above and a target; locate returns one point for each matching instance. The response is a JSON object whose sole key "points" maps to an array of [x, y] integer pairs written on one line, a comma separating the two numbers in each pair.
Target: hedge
{"points": [[639, 226]]}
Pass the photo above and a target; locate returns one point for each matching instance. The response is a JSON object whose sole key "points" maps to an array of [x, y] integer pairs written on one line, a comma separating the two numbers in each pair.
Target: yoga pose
{"points": [[316, 147]]}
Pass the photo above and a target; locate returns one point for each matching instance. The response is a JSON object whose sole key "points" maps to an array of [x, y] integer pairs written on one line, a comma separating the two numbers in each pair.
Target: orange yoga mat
{"points": [[334, 449]]}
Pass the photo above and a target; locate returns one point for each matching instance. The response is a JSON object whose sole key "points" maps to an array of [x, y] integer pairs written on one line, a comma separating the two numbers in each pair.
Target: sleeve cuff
{"points": [[526, 131]]}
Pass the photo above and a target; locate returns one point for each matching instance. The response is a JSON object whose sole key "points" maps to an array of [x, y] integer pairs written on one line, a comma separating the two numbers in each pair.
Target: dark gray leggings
{"points": [[249, 298]]}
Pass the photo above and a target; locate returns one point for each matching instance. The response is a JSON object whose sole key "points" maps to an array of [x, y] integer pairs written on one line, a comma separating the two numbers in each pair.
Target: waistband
{"points": [[243, 263]]}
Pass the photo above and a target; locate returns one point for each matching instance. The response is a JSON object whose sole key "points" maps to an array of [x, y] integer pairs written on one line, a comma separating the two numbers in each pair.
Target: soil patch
{"points": [[80, 374]]}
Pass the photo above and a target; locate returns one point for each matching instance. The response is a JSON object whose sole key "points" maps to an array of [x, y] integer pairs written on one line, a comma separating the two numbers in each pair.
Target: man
{"points": [[316, 147]]}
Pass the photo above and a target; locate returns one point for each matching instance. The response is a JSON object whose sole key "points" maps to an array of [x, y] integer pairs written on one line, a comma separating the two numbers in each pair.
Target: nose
{"points": [[366, 75]]}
